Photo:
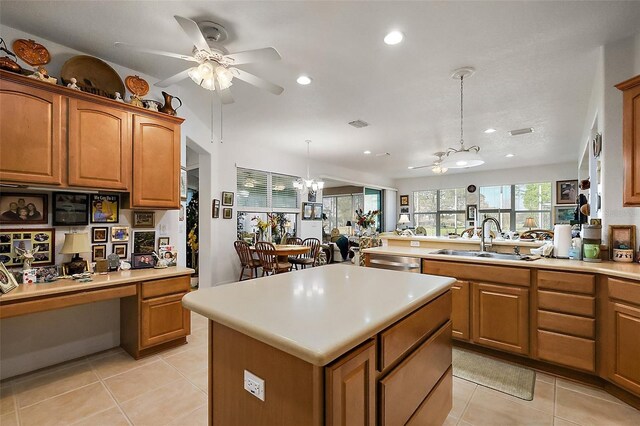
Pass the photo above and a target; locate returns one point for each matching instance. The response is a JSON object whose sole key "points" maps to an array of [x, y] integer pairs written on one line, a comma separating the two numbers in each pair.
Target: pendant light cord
{"points": [[308, 175], [461, 111]]}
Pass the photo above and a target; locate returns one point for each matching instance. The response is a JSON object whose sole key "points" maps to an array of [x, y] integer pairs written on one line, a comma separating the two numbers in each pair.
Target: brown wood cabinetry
{"points": [[31, 135], [156, 163], [460, 311], [631, 140], [500, 317], [154, 318], [99, 146]]}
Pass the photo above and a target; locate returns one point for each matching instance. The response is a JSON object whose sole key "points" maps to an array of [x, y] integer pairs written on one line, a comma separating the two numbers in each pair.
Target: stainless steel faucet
{"points": [[482, 243]]}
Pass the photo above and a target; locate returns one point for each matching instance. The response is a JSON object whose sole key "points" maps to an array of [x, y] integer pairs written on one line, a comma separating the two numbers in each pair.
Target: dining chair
{"points": [[297, 241], [269, 259], [311, 257], [248, 263]]}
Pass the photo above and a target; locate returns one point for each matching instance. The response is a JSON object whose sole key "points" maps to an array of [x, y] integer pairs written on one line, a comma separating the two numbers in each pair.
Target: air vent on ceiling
{"points": [[521, 131], [358, 124], [383, 154]]}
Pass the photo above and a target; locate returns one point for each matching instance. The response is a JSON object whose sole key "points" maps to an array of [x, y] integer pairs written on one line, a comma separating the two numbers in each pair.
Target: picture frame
{"points": [[595, 221], [144, 219], [564, 214], [7, 280], [23, 208], [472, 211], [99, 234], [43, 238], [227, 198], [404, 210], [119, 234], [98, 251], [622, 235], [183, 183], [144, 241], [227, 213], [142, 261], [121, 249], [65, 267], [215, 209], [404, 200], [566, 191], [317, 211], [307, 211], [105, 208], [70, 209], [311, 195], [171, 256], [163, 241]]}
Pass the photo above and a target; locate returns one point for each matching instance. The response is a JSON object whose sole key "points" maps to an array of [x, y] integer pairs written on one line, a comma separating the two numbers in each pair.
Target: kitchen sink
{"points": [[484, 254]]}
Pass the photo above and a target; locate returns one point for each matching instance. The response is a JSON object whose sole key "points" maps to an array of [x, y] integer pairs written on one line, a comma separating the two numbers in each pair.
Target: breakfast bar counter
{"points": [[314, 334]]}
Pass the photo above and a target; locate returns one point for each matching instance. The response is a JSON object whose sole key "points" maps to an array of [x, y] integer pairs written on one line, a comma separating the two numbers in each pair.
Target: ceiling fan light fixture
{"points": [[438, 169], [303, 80], [393, 38], [224, 77]]}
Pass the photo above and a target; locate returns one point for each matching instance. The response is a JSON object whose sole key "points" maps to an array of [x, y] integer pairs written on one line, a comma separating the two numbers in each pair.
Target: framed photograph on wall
{"points": [[121, 249], [17, 208], [144, 219], [105, 208], [307, 211], [227, 213], [215, 209], [13, 241], [144, 241], [404, 200], [566, 191], [317, 211], [183, 183], [471, 211], [99, 234], [163, 241], [119, 234], [565, 214], [227, 198], [70, 209], [98, 251]]}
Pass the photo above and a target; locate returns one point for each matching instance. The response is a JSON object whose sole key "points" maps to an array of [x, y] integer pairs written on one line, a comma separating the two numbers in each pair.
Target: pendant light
{"points": [[462, 157], [314, 184]]}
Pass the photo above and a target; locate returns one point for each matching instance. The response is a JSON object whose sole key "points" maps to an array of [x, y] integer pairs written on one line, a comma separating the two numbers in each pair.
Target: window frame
{"points": [[438, 212], [512, 209]]}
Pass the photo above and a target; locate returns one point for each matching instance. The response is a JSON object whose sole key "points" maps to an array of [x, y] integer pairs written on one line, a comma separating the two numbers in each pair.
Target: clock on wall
{"points": [[471, 188]]}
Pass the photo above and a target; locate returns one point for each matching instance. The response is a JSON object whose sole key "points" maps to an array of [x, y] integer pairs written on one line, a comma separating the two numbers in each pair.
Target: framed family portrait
{"points": [[119, 234], [215, 209], [227, 213], [144, 219], [121, 249], [566, 191], [105, 208], [18, 208], [13, 241], [142, 261], [144, 241], [227, 198], [404, 200], [183, 183], [70, 209], [98, 251], [99, 234]]}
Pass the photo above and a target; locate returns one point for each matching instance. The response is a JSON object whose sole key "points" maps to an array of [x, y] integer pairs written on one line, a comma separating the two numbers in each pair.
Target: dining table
{"points": [[283, 251]]}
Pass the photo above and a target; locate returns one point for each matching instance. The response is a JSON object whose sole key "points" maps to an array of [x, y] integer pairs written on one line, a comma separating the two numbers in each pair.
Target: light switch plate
{"points": [[254, 385], [415, 243]]}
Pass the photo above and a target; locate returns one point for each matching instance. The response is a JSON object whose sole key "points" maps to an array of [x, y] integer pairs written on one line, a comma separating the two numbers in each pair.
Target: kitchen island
{"points": [[334, 345]]}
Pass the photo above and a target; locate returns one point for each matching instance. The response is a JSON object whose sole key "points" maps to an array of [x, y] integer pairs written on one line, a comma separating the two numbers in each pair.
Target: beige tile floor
{"points": [[110, 388]]}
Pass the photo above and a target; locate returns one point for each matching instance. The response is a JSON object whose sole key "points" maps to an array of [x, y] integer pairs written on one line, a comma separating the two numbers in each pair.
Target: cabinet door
{"points": [[350, 389], [460, 310], [631, 140], [99, 146], [156, 163], [30, 135], [501, 317], [624, 365], [163, 319]]}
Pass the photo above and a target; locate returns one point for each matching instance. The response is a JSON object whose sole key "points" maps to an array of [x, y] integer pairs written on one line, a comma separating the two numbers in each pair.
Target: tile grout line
{"points": [[186, 378], [467, 404], [106, 388], [617, 401], [126, 371], [60, 394]]}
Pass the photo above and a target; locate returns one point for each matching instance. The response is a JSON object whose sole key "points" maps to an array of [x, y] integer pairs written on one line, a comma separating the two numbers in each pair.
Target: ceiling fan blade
{"points": [[193, 32], [421, 167], [155, 52], [257, 55], [256, 81], [225, 95], [174, 78]]}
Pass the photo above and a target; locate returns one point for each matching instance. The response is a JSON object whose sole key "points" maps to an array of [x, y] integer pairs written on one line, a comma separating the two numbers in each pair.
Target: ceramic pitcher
{"points": [[167, 108]]}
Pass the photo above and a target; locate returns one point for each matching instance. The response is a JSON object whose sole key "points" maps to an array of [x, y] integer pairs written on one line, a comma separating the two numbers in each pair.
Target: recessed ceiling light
{"points": [[510, 155], [490, 130], [394, 37], [521, 131], [304, 80], [411, 167], [367, 152]]}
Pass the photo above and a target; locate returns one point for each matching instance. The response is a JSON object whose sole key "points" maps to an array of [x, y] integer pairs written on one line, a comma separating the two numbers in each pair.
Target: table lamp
{"points": [[348, 225], [404, 219], [76, 243], [530, 223]]}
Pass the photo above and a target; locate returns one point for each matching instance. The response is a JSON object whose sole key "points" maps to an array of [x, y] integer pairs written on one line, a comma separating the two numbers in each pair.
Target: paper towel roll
{"points": [[561, 240]]}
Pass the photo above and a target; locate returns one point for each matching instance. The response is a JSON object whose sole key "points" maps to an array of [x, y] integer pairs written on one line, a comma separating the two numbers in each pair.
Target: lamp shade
{"points": [[530, 223], [348, 223], [76, 243], [404, 219]]}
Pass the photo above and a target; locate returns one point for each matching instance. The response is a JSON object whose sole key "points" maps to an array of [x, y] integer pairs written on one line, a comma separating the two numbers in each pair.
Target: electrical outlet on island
{"points": [[254, 385]]}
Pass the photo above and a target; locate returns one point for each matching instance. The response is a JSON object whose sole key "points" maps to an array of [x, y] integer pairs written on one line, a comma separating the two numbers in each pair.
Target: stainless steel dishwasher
{"points": [[395, 263]]}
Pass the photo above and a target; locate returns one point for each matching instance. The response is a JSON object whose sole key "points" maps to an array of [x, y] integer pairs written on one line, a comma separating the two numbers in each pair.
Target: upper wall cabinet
{"points": [[31, 135], [631, 140], [55, 136]]}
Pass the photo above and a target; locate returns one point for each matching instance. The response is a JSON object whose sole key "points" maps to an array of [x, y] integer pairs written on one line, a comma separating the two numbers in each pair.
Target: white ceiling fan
{"points": [[436, 167], [214, 69]]}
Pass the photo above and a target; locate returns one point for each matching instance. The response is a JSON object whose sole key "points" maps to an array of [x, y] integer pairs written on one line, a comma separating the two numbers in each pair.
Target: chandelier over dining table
{"points": [[308, 183]]}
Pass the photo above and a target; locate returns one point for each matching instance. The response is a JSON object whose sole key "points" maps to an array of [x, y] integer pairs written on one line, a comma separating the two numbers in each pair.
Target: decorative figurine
{"points": [[27, 256], [43, 75], [152, 105], [118, 97], [135, 101], [73, 85]]}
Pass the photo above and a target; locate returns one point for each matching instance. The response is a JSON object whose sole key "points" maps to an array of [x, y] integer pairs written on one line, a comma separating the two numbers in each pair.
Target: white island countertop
{"points": [[317, 314]]}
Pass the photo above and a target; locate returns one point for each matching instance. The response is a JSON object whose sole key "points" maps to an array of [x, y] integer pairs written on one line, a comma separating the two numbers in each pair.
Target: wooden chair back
{"points": [[293, 241], [314, 243], [244, 252], [267, 255]]}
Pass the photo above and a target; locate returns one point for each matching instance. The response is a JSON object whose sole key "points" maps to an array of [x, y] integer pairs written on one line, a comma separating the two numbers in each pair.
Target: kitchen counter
{"points": [[615, 269], [317, 314], [426, 241]]}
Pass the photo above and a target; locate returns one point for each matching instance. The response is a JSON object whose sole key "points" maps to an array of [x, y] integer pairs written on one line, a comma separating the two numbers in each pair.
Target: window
{"points": [[440, 212], [341, 209], [252, 188], [513, 204], [495, 201], [283, 194]]}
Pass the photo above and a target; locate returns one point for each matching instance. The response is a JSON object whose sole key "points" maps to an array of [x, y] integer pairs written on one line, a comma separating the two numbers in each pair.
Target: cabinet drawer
{"points": [[567, 350], [565, 281], [398, 339], [569, 324], [628, 291], [472, 271], [163, 319], [163, 287], [435, 409], [567, 303], [406, 386]]}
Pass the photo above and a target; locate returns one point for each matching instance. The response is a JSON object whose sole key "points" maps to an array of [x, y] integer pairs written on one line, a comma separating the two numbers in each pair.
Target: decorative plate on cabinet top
{"points": [[31, 52], [93, 75], [136, 85]]}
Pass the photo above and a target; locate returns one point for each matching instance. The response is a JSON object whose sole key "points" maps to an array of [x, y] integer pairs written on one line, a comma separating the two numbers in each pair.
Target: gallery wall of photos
{"points": [[39, 221]]}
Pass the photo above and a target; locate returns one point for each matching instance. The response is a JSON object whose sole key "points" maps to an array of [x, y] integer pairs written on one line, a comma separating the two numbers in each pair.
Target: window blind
{"points": [[283, 194], [252, 188]]}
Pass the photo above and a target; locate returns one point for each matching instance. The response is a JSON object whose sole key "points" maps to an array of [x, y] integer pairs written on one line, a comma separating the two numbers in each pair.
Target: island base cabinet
{"points": [[460, 310], [624, 353], [351, 388], [435, 408], [501, 317]]}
